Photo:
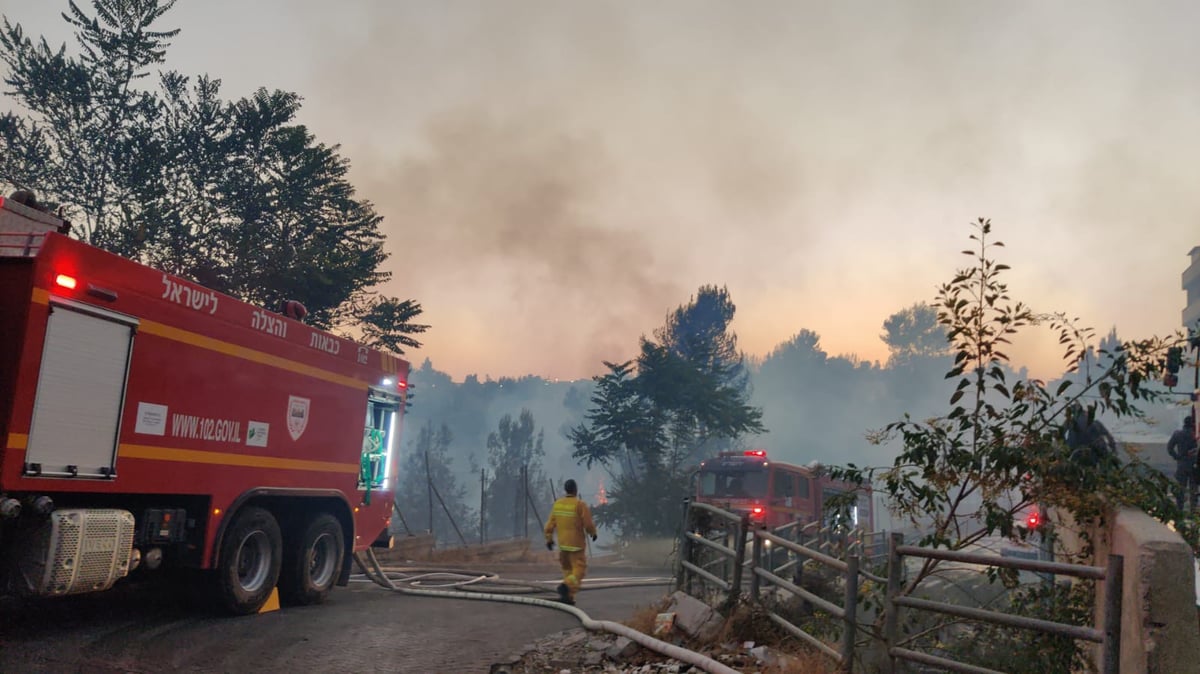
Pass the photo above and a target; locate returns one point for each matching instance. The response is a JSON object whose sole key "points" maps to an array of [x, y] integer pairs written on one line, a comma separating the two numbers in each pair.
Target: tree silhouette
{"points": [[653, 419], [234, 195], [914, 332], [514, 446], [431, 457]]}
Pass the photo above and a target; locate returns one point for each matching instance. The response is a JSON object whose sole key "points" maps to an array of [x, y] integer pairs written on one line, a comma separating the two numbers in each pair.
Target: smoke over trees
{"points": [[642, 426], [647, 422], [518, 486], [429, 495], [498, 420]]}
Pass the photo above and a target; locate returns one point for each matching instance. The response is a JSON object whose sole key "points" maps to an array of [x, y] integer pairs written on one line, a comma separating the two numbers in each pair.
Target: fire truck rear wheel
{"points": [[250, 560], [311, 567]]}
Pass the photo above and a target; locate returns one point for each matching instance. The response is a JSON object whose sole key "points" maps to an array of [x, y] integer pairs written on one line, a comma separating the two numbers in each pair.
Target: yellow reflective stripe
{"points": [[229, 459], [565, 513], [568, 548]]}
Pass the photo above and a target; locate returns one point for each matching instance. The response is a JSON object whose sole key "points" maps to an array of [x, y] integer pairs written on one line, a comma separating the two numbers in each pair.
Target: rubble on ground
{"points": [[695, 618], [578, 651]]}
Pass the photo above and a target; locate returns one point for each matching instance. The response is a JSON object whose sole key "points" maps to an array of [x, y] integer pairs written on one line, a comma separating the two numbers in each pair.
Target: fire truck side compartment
{"points": [[81, 388]]}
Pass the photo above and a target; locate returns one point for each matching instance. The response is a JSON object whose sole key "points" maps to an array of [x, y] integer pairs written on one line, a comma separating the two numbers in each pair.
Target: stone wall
{"points": [[1159, 629]]}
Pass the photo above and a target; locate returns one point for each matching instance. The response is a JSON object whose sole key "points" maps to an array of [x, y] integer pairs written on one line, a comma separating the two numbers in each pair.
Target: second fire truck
{"points": [[773, 493]]}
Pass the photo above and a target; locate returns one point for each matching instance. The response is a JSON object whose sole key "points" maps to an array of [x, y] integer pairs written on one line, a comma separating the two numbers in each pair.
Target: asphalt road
{"points": [[149, 627]]}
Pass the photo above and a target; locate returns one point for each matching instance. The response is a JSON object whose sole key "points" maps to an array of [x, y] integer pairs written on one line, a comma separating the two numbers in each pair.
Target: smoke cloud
{"points": [[557, 176]]}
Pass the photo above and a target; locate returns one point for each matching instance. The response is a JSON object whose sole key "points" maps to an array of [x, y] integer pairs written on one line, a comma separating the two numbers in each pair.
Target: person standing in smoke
{"points": [[1182, 448], [572, 518], [1089, 440]]}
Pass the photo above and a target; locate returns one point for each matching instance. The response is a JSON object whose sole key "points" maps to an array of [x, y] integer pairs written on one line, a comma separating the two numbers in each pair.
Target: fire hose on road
{"points": [[468, 583]]}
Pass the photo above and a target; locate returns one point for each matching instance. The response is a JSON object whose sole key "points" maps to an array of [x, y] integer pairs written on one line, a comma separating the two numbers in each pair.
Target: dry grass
{"points": [[751, 623], [643, 617], [806, 662]]}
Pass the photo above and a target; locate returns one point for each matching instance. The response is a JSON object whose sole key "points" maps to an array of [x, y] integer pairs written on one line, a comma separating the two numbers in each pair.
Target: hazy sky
{"points": [[557, 176]]}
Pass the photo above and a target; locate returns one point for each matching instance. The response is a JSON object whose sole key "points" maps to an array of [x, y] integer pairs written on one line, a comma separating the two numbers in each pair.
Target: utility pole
{"points": [[516, 511], [429, 489], [482, 501], [525, 505]]}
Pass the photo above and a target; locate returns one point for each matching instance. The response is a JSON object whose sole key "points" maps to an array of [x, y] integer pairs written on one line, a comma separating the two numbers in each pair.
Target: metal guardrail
{"points": [[871, 547], [847, 613], [821, 545], [1109, 637], [730, 554]]}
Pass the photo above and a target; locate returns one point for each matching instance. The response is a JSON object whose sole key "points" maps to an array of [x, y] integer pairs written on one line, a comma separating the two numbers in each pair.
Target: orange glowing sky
{"points": [[557, 176]]}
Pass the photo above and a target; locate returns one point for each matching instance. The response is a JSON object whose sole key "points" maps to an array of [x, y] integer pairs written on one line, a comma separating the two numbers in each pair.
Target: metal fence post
{"points": [[1114, 579], [739, 558], [755, 557], [525, 504], [798, 569], [891, 619], [850, 626], [684, 546], [482, 504], [726, 562]]}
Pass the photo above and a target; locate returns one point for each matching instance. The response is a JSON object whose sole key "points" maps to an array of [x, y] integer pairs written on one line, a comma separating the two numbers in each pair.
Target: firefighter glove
{"points": [[593, 537], [549, 545]]}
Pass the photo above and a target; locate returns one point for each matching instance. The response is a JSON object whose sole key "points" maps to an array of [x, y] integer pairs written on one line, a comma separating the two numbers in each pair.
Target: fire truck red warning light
{"points": [[65, 281], [1034, 519], [756, 452]]}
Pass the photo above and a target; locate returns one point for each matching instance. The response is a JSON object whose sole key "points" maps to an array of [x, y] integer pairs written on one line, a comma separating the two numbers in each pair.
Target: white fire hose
{"points": [[374, 572]]}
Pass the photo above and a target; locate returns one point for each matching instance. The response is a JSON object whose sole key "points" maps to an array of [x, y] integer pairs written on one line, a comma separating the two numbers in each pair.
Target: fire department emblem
{"points": [[362, 355], [297, 416]]}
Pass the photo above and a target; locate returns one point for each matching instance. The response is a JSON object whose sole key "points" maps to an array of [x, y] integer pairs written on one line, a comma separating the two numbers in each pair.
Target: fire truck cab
{"points": [[147, 421]]}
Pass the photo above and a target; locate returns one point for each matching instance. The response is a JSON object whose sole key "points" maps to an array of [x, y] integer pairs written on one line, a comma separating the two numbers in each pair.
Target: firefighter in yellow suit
{"points": [[572, 518]]}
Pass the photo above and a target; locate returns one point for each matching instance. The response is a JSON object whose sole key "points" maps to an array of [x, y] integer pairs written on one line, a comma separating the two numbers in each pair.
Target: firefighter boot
{"points": [[564, 594]]}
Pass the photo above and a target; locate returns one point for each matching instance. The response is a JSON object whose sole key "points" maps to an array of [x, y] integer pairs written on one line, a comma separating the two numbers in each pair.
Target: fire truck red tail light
{"points": [[757, 512], [756, 452], [66, 281], [402, 384]]}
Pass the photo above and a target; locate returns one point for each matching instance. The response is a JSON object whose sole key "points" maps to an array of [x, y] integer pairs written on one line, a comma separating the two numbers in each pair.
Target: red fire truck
{"points": [[774, 493], [146, 421]]}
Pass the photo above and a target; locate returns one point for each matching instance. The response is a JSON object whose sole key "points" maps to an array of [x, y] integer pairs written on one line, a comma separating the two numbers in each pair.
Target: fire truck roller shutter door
{"points": [[312, 561], [80, 391], [250, 559]]}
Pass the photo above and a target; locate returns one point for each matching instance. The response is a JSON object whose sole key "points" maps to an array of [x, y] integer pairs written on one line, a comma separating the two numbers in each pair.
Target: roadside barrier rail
{"points": [[712, 555], [1109, 636], [846, 613]]}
